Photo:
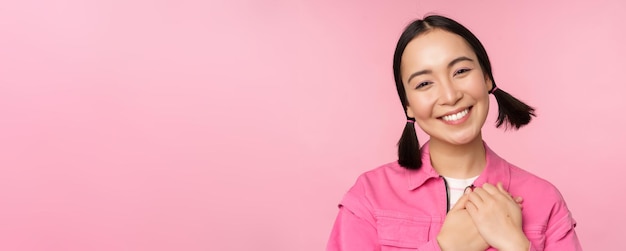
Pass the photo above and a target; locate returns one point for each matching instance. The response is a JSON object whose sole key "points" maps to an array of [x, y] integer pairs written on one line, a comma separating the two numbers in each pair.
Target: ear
{"points": [[409, 112], [488, 82]]}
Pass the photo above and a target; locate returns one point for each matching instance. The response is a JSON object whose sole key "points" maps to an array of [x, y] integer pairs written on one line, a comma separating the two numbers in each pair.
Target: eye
{"points": [[422, 85], [461, 71]]}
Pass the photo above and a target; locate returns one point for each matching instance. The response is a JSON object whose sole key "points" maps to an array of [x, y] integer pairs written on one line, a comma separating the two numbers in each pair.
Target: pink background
{"points": [[239, 125]]}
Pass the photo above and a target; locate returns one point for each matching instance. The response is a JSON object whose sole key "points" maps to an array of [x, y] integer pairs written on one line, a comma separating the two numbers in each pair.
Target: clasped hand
{"points": [[486, 216]]}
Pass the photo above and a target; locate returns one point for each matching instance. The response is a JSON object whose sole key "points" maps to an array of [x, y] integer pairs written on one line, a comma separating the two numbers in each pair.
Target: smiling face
{"points": [[446, 88]]}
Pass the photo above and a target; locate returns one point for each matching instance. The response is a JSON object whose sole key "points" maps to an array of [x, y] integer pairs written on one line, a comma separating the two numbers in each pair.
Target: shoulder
{"points": [[379, 181], [382, 175], [544, 206], [531, 184], [363, 196], [518, 181], [543, 202]]}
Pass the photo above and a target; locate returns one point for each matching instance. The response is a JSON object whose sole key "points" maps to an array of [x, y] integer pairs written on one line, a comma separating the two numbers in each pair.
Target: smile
{"points": [[456, 116]]}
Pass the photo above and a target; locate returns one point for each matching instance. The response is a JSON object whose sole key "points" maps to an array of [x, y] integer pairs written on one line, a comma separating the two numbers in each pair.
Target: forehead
{"points": [[435, 48]]}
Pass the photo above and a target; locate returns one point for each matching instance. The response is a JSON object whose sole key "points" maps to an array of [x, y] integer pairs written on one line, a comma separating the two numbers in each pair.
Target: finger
{"points": [[491, 189], [501, 188], [504, 192], [460, 204], [476, 198], [471, 209], [495, 193], [483, 194], [518, 200]]}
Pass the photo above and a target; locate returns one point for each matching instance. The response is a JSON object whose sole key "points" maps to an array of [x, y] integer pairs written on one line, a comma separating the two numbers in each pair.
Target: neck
{"points": [[458, 161]]}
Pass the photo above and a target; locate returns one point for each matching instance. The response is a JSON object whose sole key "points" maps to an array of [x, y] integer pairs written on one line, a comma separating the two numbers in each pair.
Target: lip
{"points": [[460, 121], [456, 111]]}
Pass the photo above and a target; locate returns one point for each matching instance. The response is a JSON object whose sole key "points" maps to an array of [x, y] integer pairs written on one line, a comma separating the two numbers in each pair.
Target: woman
{"points": [[454, 193]]}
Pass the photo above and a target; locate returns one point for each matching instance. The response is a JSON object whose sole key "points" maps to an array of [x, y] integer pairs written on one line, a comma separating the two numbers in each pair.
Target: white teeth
{"points": [[456, 116]]}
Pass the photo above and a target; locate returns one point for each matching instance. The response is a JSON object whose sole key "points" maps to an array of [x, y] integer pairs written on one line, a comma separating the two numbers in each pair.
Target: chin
{"points": [[462, 140], [459, 137]]}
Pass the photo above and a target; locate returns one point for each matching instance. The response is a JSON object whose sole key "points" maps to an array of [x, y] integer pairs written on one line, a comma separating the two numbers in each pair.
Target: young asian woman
{"points": [[454, 192]]}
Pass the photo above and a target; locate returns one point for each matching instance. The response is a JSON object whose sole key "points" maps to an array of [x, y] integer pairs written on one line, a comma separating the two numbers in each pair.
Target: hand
{"points": [[498, 217], [459, 232]]}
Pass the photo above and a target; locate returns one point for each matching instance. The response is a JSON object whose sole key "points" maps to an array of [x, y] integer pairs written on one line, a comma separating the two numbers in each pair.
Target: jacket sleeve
{"points": [[355, 229], [560, 233], [352, 233]]}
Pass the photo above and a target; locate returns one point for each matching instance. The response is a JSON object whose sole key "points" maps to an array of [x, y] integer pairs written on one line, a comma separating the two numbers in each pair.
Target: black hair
{"points": [[512, 112]]}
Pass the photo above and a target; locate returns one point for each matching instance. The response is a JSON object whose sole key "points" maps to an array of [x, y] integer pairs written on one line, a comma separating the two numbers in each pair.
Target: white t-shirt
{"points": [[456, 187]]}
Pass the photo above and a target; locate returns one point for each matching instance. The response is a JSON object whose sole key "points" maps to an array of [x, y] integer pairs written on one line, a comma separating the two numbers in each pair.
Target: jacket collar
{"points": [[496, 170]]}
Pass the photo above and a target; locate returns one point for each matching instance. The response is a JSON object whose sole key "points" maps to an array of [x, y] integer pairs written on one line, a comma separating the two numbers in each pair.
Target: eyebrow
{"points": [[453, 62]]}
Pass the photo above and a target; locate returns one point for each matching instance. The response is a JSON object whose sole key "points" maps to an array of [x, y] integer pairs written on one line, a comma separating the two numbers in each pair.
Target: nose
{"points": [[449, 94]]}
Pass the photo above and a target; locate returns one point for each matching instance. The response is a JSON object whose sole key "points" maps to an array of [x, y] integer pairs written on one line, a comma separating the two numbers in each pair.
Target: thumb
{"points": [[460, 204]]}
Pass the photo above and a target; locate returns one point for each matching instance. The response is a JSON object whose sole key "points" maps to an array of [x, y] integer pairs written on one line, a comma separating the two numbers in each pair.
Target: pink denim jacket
{"points": [[392, 208]]}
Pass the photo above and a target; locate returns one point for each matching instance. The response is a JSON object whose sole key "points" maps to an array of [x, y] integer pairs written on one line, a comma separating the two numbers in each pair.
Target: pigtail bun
{"points": [[409, 153], [512, 112]]}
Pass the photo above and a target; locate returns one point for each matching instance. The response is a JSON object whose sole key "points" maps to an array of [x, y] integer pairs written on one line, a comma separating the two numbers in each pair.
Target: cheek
{"points": [[478, 92], [477, 88], [420, 105]]}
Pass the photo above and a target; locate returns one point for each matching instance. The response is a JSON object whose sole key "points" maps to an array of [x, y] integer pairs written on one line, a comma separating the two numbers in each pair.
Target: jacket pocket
{"points": [[536, 235], [402, 230]]}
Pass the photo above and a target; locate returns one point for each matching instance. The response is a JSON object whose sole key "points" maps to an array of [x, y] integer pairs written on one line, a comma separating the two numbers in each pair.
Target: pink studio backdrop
{"points": [[239, 125]]}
